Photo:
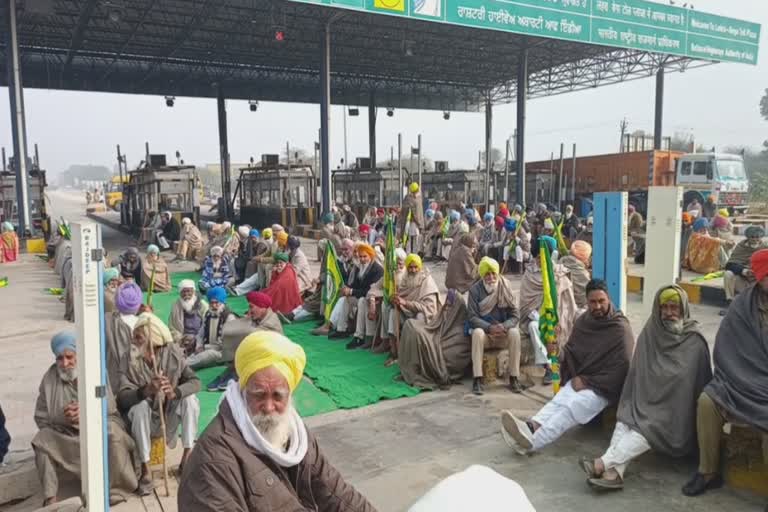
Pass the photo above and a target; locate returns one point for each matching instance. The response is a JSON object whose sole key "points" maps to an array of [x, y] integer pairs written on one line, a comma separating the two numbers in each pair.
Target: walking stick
{"points": [[160, 398]]}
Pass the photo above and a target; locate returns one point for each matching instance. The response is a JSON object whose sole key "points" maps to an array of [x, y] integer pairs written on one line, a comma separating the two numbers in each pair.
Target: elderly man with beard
{"points": [[111, 280], [130, 265], [118, 328], [170, 231], [257, 454], [208, 343], [738, 392], [187, 314], [738, 276], [577, 262], [57, 415], [595, 362], [493, 323], [155, 369], [260, 317], [216, 270], [670, 368], [154, 271], [461, 272], [191, 240]]}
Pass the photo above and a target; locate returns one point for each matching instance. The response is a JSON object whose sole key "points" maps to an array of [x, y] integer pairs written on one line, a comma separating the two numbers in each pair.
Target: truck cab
{"points": [[719, 175]]}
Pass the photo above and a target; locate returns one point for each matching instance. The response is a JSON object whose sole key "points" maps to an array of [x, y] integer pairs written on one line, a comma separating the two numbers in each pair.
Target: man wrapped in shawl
{"points": [[410, 221], [493, 323], [111, 281], [298, 259], [130, 265], [657, 410], [191, 240], [738, 276], [578, 263], [487, 235], [594, 364], [156, 369], [208, 343], [216, 271], [57, 442], [186, 319], [738, 392], [118, 327], [461, 272], [433, 232], [9, 243], [155, 265], [450, 238], [284, 285], [706, 254]]}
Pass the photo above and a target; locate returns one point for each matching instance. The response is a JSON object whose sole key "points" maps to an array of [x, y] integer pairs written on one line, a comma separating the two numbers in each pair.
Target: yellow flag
{"points": [[390, 5]]}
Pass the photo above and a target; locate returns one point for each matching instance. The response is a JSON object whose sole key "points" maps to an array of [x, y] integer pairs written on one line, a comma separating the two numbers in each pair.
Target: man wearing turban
{"points": [[191, 241], [284, 285], [657, 410], [207, 347], [154, 267], [738, 391], [118, 327], [169, 232], [258, 431], [578, 263], [450, 237], [300, 263], [433, 233], [705, 253], [738, 276], [156, 369], [349, 218], [487, 236], [328, 232], [363, 275], [186, 319], [216, 270], [410, 220], [57, 442], [461, 272], [493, 322], [111, 280]]}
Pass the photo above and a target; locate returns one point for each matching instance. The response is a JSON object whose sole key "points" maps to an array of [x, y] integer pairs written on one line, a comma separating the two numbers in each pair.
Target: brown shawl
{"points": [[461, 271], [667, 375], [504, 298], [742, 253], [422, 291], [434, 354], [599, 351], [236, 330], [119, 338], [531, 294], [411, 204], [176, 318], [162, 276], [192, 235]]}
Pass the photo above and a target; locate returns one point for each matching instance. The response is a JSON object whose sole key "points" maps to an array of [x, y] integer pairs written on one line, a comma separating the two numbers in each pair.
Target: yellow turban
{"points": [[282, 237], [158, 332], [267, 233], [669, 295], [366, 249], [413, 187], [413, 258], [488, 265], [724, 212], [263, 349], [581, 250]]}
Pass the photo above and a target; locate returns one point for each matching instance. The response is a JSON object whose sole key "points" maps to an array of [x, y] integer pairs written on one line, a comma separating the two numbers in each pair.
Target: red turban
{"points": [[364, 229], [759, 264], [504, 212], [380, 211], [499, 222], [259, 299]]}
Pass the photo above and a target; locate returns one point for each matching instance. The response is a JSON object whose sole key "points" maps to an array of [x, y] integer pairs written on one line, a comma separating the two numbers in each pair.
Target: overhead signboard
{"points": [[634, 24]]}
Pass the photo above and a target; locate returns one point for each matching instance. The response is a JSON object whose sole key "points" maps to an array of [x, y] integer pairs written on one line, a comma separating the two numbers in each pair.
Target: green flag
{"points": [[333, 281], [390, 262]]}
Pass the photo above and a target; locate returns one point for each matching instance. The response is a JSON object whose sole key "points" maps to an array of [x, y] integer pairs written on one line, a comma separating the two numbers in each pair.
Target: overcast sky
{"points": [[718, 104]]}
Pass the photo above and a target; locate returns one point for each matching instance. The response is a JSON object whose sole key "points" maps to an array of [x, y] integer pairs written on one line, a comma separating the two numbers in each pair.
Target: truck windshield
{"points": [[731, 169]]}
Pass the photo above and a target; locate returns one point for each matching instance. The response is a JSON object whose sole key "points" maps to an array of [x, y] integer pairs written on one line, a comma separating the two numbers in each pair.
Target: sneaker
{"points": [[224, 383], [215, 383], [518, 430]]}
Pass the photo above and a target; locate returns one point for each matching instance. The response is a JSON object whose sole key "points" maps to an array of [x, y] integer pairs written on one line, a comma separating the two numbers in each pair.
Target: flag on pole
{"points": [[406, 228], [548, 318], [390, 262], [444, 227], [518, 227], [333, 281], [562, 249]]}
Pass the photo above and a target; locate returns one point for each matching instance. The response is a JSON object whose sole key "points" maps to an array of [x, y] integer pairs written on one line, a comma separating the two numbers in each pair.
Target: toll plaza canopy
{"points": [[425, 54]]}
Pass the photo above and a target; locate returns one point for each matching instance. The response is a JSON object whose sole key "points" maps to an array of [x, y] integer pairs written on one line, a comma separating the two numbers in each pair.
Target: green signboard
{"points": [[634, 24]]}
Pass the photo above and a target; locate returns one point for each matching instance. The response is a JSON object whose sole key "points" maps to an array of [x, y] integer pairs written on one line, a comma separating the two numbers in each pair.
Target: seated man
{"points": [[111, 280], [516, 241], [657, 410], [216, 271], [432, 234], [456, 228], [191, 240], [705, 253], [594, 364], [578, 263], [118, 329], [487, 235], [329, 233], [207, 350], [493, 320], [283, 288], [169, 232], [300, 263], [738, 275], [257, 431], [154, 271], [129, 265], [57, 415], [738, 392], [9, 243], [157, 371], [358, 284], [461, 272], [259, 317], [187, 314]]}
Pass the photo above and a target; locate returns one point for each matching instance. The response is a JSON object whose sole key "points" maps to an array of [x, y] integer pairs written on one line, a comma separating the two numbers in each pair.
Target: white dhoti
{"points": [[539, 350], [204, 359], [567, 409], [733, 284], [144, 427], [365, 326], [161, 240], [626, 444], [250, 284], [340, 314]]}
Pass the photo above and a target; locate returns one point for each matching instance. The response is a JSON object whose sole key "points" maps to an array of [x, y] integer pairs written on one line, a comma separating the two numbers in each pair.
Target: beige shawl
{"points": [[162, 276], [422, 292], [504, 298], [303, 271], [176, 318], [192, 235]]}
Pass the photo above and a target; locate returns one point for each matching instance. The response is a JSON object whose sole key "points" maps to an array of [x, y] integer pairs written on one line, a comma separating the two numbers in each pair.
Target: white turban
{"points": [[186, 220], [276, 228], [244, 231], [226, 225], [185, 284], [158, 332]]}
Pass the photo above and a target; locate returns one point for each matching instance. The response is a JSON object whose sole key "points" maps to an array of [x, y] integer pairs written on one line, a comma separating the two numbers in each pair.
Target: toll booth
{"points": [[36, 180], [159, 189], [363, 188], [272, 193], [450, 188]]}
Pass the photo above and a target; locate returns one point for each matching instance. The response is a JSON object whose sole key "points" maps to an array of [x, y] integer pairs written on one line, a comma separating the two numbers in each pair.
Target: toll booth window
{"points": [[702, 168], [685, 170]]}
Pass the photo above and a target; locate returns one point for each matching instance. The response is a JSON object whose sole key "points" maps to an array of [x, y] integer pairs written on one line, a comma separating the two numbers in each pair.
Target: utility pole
{"points": [[623, 125]]}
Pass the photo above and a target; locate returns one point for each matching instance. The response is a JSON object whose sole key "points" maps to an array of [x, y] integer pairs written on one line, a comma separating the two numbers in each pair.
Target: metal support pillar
{"points": [[522, 93], [658, 125], [506, 173], [372, 130], [400, 165], [418, 161], [325, 120], [488, 150], [18, 121], [573, 177], [226, 211]]}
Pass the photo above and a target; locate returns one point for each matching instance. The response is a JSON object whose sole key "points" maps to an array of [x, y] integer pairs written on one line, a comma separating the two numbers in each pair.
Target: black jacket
{"points": [[172, 230], [361, 285]]}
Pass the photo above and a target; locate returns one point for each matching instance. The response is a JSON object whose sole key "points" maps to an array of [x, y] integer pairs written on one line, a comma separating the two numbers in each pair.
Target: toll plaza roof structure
{"points": [[423, 54]]}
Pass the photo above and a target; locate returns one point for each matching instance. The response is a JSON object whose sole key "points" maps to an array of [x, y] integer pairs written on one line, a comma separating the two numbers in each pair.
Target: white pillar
{"points": [[662, 241]]}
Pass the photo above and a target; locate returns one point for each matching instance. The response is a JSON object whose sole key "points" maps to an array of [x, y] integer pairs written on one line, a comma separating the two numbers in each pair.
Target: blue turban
{"points": [[510, 224], [328, 218], [110, 274], [217, 293], [254, 233], [153, 249], [488, 216], [551, 242], [754, 232], [701, 223], [469, 212], [65, 340], [429, 213], [455, 216], [471, 220]]}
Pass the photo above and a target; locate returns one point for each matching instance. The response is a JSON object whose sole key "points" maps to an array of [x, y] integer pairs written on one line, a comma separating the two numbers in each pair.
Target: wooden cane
{"points": [[159, 398]]}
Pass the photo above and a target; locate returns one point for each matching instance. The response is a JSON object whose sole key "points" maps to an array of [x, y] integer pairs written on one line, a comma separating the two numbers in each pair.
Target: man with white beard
{"points": [[187, 315], [257, 454], [57, 415], [208, 344]]}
